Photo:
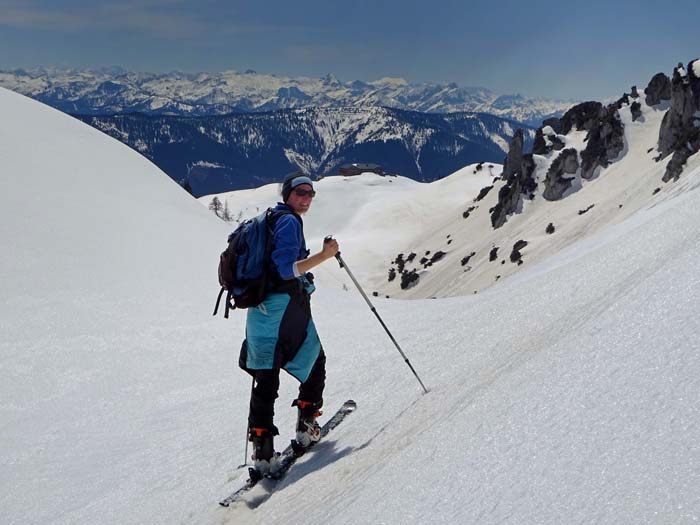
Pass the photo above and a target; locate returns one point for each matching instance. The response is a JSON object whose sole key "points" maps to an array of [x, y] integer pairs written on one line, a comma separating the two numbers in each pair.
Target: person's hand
{"points": [[330, 248]]}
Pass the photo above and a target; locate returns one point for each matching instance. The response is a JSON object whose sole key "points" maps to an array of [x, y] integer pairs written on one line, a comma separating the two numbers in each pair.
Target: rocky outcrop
{"points": [[518, 173], [515, 156], [581, 117], [546, 141], [674, 168], [557, 183], [515, 255], [554, 123], [539, 146], [679, 117], [605, 141], [659, 89], [680, 129], [409, 279], [636, 110]]}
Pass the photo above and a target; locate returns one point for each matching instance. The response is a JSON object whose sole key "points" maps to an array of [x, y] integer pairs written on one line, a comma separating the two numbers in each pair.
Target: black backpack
{"points": [[244, 266]]}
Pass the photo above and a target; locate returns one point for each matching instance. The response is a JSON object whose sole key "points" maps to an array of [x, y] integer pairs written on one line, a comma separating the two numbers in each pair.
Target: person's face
{"points": [[300, 198]]}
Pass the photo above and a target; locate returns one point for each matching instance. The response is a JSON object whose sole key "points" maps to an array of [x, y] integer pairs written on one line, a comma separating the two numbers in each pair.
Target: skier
{"points": [[280, 333]]}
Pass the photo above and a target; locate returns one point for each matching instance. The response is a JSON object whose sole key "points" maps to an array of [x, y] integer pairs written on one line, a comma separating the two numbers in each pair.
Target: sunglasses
{"points": [[304, 193]]}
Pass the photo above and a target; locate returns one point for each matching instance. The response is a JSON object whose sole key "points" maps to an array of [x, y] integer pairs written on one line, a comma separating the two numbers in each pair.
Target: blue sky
{"points": [[549, 49]]}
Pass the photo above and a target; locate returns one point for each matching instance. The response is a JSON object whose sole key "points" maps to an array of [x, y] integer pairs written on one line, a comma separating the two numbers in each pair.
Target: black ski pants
{"points": [[265, 392], [290, 337]]}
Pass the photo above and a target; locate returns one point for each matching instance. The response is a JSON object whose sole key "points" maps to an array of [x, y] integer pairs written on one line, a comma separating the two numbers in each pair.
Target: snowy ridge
{"points": [[253, 149], [566, 393], [105, 92]]}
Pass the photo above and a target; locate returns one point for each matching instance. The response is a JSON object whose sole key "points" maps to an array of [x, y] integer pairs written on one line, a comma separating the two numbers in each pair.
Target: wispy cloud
{"points": [[159, 18]]}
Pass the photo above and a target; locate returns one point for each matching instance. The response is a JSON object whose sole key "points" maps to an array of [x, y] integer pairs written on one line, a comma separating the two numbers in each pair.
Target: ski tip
{"points": [[350, 405]]}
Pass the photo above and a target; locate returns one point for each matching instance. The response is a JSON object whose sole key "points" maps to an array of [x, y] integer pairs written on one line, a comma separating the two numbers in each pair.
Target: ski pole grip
{"points": [[330, 238]]}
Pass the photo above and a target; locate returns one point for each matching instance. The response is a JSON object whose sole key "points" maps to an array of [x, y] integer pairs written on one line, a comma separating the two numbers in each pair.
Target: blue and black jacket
{"points": [[280, 332]]}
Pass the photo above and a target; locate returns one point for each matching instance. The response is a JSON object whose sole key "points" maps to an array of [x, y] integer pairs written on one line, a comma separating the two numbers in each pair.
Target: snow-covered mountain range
{"points": [[218, 153], [115, 90]]}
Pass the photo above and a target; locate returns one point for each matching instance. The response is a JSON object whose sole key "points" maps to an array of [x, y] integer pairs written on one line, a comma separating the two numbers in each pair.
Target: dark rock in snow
{"points": [[483, 193], [675, 166], [409, 279], [605, 142], [518, 173], [539, 146], [581, 212], [437, 256], [679, 117], [554, 123], [550, 228], [468, 211], [636, 109], [556, 182], [399, 262], [557, 143], [515, 255], [392, 274], [623, 101], [493, 254], [659, 89], [581, 117], [680, 129], [465, 259], [542, 145], [512, 164]]}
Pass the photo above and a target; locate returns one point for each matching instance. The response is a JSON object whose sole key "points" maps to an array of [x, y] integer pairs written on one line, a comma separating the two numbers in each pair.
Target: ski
{"points": [[289, 455]]}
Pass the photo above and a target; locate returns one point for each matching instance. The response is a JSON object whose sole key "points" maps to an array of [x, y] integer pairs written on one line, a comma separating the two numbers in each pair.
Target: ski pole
{"points": [[245, 457], [342, 264]]}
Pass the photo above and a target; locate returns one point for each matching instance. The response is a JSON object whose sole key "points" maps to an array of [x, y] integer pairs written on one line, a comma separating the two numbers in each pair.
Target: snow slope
{"points": [[380, 222], [107, 286], [566, 393]]}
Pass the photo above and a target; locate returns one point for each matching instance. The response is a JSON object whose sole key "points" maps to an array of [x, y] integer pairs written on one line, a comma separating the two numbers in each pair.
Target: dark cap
{"points": [[293, 180]]}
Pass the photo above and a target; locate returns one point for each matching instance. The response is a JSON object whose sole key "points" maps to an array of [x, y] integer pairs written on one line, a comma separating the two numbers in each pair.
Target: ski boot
{"points": [[308, 429], [265, 460]]}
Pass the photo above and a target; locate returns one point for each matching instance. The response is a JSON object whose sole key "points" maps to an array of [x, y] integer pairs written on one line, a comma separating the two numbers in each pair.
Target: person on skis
{"points": [[280, 332]]}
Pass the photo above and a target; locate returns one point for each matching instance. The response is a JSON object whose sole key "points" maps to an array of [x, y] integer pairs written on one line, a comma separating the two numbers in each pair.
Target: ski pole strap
{"points": [[218, 300], [229, 306]]}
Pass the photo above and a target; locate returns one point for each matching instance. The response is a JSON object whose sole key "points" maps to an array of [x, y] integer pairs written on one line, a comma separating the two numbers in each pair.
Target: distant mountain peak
{"points": [[78, 91]]}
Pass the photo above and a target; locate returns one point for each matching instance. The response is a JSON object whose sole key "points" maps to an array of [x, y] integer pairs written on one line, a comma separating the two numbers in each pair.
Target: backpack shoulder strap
{"points": [[271, 215]]}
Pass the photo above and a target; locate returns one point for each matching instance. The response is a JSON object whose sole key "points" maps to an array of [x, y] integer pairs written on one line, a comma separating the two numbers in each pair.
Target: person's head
{"points": [[297, 192]]}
